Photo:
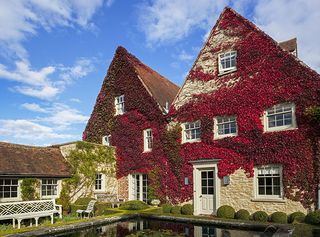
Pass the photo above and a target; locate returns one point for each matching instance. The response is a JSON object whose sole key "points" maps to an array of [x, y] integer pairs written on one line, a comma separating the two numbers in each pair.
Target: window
{"points": [[119, 104], [225, 126], [106, 140], [227, 62], [148, 140], [8, 188], [269, 182], [99, 182], [191, 132], [138, 187], [49, 187], [280, 117]]}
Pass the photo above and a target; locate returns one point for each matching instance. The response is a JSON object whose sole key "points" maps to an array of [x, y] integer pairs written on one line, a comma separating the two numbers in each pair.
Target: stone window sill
{"points": [[279, 200]]}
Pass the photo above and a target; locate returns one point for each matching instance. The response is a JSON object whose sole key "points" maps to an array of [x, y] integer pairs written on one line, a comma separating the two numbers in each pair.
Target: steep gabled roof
{"points": [[29, 161], [159, 87]]}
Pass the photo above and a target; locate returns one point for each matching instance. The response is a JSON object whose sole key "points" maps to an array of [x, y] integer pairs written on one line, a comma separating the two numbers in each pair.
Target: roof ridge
{"points": [[22, 145]]}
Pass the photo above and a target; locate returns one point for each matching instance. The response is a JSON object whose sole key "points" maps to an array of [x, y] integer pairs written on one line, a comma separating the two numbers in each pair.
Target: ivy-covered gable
{"points": [[265, 75]]}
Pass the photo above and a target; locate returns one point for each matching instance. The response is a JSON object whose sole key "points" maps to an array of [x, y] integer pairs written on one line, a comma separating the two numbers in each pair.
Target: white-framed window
{"points": [[49, 187], [119, 104], [147, 140], [99, 182], [9, 188], [106, 140], [280, 117], [191, 131], [268, 181], [227, 62], [225, 127]]}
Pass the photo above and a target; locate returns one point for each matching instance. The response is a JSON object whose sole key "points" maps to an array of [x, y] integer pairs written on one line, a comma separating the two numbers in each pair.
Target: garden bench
{"points": [[18, 211], [89, 211]]}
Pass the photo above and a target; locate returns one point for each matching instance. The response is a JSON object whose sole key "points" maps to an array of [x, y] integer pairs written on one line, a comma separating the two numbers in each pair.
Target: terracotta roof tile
{"points": [[29, 161], [160, 87]]}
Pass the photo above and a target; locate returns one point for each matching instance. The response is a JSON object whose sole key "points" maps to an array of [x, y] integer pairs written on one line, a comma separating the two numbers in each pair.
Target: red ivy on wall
{"points": [[266, 76]]}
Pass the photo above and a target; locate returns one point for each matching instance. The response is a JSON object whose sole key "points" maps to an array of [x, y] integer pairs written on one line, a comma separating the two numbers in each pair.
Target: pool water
{"points": [[155, 228]]}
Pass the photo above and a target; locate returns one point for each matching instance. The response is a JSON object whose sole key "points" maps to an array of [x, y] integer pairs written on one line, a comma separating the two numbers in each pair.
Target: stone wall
{"points": [[240, 195]]}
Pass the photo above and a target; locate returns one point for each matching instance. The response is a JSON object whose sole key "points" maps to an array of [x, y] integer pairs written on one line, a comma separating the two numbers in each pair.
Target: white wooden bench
{"points": [[18, 211]]}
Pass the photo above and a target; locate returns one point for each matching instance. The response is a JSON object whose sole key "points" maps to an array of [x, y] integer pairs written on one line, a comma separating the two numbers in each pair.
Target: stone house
{"points": [[130, 114], [236, 134], [244, 128], [49, 168], [18, 162]]}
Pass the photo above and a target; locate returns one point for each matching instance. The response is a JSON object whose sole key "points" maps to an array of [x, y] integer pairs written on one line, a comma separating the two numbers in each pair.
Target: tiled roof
{"points": [[289, 45], [161, 88], [29, 161]]}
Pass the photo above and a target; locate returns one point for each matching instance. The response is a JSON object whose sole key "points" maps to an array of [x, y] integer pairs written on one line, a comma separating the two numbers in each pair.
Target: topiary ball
{"points": [[226, 212], [242, 214], [296, 217], [176, 210], [166, 208], [313, 218], [187, 209], [260, 216], [279, 217]]}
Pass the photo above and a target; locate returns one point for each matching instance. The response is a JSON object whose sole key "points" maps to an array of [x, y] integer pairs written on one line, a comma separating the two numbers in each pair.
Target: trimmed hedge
{"points": [[187, 209], [101, 208], [313, 218], [260, 216], [279, 217], [296, 217], [242, 214], [226, 212], [134, 205], [176, 210], [166, 208]]}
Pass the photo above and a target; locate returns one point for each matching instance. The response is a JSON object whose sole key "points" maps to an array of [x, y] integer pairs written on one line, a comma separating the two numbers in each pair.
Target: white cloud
{"points": [[76, 100], [47, 82], [184, 56], [21, 19], [24, 129], [34, 107], [171, 20], [301, 19]]}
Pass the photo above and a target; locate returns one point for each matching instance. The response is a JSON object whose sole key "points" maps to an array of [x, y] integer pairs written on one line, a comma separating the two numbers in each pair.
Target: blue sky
{"points": [[55, 54]]}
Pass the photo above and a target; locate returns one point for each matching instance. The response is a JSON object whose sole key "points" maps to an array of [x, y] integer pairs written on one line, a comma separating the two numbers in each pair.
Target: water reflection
{"points": [[153, 228]]}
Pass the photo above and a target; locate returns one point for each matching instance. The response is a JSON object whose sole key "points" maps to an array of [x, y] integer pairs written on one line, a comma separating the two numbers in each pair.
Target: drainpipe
{"points": [[319, 196]]}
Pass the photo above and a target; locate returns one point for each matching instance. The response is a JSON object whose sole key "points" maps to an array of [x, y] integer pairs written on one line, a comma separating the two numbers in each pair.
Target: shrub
{"points": [[101, 208], [166, 208], [176, 210], [279, 217], [187, 209], [134, 205], [83, 201], [226, 212], [260, 216], [242, 214], [313, 218], [296, 217]]}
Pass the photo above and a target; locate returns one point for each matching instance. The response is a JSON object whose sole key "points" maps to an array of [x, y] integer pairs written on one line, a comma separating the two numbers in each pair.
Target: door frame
{"points": [[198, 166]]}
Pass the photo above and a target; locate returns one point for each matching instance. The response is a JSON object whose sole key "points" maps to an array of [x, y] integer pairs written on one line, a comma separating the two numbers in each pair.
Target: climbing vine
{"points": [[29, 187]]}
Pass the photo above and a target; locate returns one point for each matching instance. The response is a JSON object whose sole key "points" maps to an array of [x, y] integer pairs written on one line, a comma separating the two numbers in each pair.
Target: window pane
{"points": [[261, 191], [204, 191]]}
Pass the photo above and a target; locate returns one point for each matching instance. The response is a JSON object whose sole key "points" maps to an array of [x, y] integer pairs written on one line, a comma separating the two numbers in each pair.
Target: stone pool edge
{"points": [[74, 227], [109, 220]]}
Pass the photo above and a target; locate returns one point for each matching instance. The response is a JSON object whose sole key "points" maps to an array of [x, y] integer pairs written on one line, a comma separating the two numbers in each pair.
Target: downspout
{"points": [[318, 196]]}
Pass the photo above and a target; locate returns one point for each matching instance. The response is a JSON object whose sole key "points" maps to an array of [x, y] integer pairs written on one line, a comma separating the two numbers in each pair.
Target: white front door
{"points": [[138, 187], [206, 191]]}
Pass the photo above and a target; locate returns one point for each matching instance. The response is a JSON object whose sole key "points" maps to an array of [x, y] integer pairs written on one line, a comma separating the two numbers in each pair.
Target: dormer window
{"points": [[280, 117], [225, 127], [119, 104], [227, 62], [191, 132], [148, 140], [106, 140]]}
